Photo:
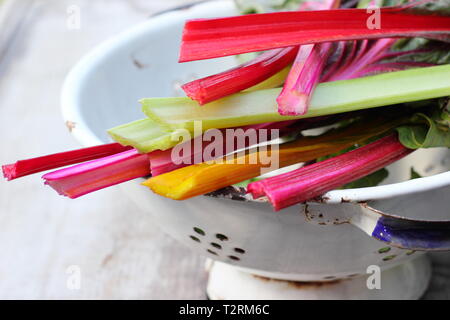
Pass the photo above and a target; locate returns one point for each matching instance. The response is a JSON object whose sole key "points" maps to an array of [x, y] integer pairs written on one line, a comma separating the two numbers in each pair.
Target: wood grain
{"points": [[121, 252]]}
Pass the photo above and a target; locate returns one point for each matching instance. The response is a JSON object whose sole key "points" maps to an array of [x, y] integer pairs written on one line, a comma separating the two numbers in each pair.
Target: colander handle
{"points": [[401, 232]]}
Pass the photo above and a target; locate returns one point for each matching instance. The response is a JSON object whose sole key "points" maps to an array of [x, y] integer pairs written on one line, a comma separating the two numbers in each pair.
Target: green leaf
{"points": [[362, 4], [441, 7], [370, 180], [436, 52], [427, 131], [414, 174], [244, 184], [262, 6], [410, 44], [444, 113]]}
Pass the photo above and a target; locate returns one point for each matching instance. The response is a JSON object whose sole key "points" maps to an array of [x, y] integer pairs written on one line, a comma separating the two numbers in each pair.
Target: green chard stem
{"points": [[329, 98], [144, 135]]}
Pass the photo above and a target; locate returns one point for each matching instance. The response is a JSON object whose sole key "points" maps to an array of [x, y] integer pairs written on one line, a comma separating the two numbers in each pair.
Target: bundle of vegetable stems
{"points": [[375, 90]]}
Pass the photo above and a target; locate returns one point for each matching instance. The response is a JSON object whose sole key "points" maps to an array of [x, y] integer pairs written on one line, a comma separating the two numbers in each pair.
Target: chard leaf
{"points": [[443, 117], [414, 174], [436, 56], [427, 131], [378, 3], [243, 184], [435, 52], [410, 44], [437, 6], [262, 6], [370, 180]]}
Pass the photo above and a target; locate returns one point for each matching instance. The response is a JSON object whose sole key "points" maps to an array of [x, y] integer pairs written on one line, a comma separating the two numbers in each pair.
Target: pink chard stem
{"points": [[306, 70], [26, 167], [251, 73], [341, 49], [94, 175], [366, 57], [302, 80], [314, 180]]}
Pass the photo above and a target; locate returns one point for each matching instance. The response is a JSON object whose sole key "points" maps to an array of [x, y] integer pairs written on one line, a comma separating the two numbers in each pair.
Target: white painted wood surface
{"points": [[120, 251]]}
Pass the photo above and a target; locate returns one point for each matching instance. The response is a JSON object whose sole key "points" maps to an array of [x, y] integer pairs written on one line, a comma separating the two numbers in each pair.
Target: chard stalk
{"points": [[305, 73], [329, 98], [241, 77], [144, 135], [218, 37], [198, 179], [311, 181], [87, 177], [29, 166]]}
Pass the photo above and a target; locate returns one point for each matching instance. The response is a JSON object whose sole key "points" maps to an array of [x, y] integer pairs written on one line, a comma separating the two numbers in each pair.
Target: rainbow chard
{"points": [[212, 38], [428, 129], [166, 161], [193, 151], [360, 59], [392, 66], [240, 78], [251, 73], [26, 167], [308, 182], [305, 72], [87, 177], [201, 178], [371, 57], [144, 135]]}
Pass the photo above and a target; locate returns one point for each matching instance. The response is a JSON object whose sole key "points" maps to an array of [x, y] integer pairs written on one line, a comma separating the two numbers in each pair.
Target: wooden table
{"points": [[118, 249]]}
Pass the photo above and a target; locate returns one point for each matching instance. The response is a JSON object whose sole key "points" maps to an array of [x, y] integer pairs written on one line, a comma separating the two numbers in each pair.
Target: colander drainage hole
{"points": [[221, 237], [239, 250], [216, 245], [199, 231], [195, 238], [384, 250], [212, 252], [389, 257], [234, 258]]}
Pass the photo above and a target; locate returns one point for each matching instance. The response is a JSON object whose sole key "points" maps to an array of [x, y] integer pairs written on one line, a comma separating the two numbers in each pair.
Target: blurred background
{"points": [[100, 246]]}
